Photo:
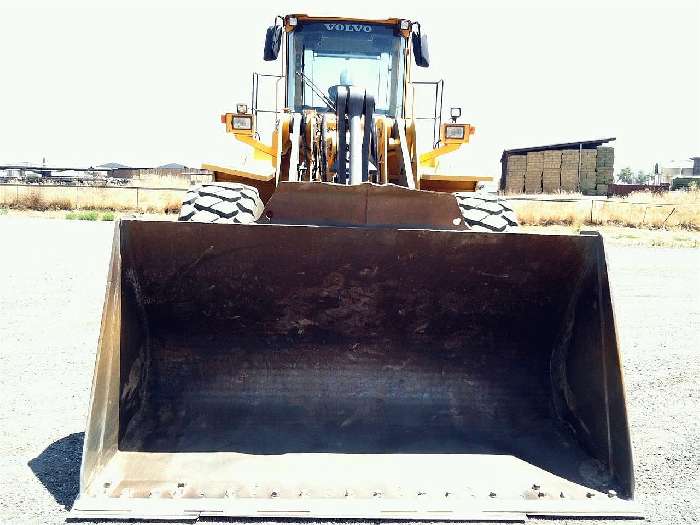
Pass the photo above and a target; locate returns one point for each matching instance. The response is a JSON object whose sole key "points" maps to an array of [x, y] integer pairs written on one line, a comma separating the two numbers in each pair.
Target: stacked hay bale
{"points": [[605, 158], [587, 175], [588, 170], [551, 180], [569, 170], [515, 173], [533, 173]]}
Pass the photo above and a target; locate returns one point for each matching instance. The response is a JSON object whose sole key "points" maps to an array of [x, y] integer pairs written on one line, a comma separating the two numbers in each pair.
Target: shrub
{"points": [[32, 201], [172, 206], [82, 215]]}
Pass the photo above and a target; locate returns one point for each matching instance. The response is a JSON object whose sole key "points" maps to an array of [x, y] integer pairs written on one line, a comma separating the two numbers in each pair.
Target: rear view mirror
{"points": [[273, 40], [420, 49]]}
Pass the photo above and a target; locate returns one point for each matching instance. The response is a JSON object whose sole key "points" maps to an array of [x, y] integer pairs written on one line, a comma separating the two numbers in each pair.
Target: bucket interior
{"points": [[279, 342]]}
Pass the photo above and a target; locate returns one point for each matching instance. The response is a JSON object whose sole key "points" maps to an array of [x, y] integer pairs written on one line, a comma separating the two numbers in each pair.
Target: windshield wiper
{"points": [[317, 91]]}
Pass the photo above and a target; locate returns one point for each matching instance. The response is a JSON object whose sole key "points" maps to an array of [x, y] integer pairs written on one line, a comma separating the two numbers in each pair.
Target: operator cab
{"points": [[320, 60], [324, 54]]}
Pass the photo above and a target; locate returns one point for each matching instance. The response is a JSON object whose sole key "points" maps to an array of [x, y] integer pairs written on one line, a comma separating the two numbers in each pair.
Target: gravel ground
{"points": [[52, 276]]}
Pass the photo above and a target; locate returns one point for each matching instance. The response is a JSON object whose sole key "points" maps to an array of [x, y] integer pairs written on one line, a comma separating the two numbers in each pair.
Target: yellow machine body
{"points": [[396, 147], [357, 353]]}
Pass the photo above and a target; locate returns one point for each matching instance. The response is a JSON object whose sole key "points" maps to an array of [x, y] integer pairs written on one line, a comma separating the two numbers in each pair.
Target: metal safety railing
{"points": [[256, 110], [436, 117]]}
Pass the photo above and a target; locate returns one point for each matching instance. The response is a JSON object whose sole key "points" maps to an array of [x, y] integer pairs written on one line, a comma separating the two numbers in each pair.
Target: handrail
{"points": [[437, 107]]}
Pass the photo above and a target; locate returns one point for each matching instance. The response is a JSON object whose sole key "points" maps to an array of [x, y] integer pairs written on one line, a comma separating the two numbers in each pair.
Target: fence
{"points": [[602, 211], [97, 197], [622, 190], [596, 210]]}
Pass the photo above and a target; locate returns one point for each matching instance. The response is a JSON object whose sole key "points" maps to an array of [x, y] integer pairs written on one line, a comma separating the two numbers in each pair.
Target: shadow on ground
{"points": [[58, 468]]}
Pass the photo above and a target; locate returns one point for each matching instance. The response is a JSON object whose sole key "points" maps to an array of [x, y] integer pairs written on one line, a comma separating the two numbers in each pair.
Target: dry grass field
{"points": [[676, 210], [124, 198], [669, 210]]}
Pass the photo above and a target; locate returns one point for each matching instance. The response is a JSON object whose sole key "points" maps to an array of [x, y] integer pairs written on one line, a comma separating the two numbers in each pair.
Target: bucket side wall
{"points": [[587, 375], [100, 442]]}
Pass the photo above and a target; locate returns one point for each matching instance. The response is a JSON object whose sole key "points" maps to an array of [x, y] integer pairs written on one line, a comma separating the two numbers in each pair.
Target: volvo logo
{"points": [[348, 27]]}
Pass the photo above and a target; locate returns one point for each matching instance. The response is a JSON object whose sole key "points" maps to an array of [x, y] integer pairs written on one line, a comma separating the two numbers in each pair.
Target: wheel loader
{"points": [[338, 329]]}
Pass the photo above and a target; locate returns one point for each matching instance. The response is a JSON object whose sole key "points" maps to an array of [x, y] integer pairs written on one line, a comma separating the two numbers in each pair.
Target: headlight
{"points": [[241, 108], [454, 132], [242, 122]]}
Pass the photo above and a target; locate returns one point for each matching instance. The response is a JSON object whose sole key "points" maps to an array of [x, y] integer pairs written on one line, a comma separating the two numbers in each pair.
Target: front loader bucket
{"points": [[325, 372]]}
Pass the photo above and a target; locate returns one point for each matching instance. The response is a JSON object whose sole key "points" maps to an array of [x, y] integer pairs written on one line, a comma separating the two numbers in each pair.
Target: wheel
{"points": [[485, 212], [221, 202]]}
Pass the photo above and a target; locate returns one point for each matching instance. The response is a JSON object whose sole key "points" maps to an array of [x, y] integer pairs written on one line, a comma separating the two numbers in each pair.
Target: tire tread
{"points": [[221, 203], [486, 212]]}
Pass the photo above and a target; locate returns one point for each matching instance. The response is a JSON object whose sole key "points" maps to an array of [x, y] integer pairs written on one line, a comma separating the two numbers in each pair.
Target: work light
{"points": [[240, 122], [454, 132]]}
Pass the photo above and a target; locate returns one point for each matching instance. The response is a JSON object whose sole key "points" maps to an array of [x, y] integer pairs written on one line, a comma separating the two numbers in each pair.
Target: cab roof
{"points": [[381, 21]]}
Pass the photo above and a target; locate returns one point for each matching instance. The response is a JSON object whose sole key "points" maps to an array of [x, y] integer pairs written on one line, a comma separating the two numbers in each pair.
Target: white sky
{"points": [[114, 81]]}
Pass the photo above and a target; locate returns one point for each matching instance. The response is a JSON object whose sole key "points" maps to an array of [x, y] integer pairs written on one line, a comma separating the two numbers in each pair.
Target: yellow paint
{"points": [[455, 178], [264, 150], [468, 132], [228, 120], [451, 183], [302, 17], [430, 159], [263, 177], [261, 151], [424, 167], [382, 153]]}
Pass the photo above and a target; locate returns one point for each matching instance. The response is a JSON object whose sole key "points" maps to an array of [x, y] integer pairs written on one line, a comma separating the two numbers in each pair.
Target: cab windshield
{"points": [[344, 53]]}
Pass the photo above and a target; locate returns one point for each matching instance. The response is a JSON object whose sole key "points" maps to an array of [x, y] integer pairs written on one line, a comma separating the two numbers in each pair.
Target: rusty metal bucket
{"points": [[325, 372]]}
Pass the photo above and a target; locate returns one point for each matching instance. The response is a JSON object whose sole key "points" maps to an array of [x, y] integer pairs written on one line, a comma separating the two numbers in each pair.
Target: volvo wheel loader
{"points": [[339, 330]]}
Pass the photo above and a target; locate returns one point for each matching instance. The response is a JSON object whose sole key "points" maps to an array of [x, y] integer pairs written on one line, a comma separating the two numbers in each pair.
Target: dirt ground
{"points": [[52, 277]]}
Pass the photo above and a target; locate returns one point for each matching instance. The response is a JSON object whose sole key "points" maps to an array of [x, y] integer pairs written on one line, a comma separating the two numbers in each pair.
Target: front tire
{"points": [[484, 212], [222, 202]]}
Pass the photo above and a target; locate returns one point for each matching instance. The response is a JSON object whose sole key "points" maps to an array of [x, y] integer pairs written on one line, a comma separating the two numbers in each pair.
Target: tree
{"points": [[642, 177], [625, 175]]}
